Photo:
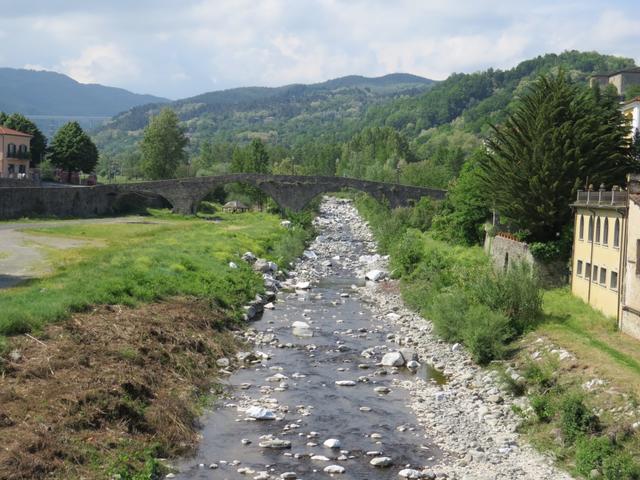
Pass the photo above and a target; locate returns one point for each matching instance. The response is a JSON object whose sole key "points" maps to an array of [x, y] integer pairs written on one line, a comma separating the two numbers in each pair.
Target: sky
{"points": [[180, 48]]}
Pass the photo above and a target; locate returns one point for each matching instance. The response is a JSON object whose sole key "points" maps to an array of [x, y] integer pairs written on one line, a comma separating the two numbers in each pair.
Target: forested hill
{"points": [[475, 100], [285, 115], [33, 92]]}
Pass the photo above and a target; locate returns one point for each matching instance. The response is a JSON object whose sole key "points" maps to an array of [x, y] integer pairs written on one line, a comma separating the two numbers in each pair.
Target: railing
{"points": [[602, 197]]}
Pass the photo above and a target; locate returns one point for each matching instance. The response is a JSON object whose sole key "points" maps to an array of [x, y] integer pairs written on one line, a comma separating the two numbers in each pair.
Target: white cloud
{"points": [[213, 44], [100, 63]]}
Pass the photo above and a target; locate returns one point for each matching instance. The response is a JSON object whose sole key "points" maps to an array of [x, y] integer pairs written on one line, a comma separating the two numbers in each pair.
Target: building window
{"points": [[595, 274], [11, 150], [581, 229], [605, 231], [603, 276], [598, 230], [590, 234], [587, 271], [579, 268], [616, 233], [614, 280]]}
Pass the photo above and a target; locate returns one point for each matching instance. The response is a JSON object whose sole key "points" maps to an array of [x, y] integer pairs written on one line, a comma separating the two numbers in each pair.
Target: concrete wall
{"points": [[504, 252]]}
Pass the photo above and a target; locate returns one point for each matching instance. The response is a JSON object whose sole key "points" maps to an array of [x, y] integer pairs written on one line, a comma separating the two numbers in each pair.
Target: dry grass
{"points": [[105, 391]]}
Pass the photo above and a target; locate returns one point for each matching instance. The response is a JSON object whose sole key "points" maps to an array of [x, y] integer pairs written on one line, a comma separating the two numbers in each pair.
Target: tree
{"points": [[559, 138], [19, 122], [251, 159], [465, 207], [73, 150], [163, 146]]}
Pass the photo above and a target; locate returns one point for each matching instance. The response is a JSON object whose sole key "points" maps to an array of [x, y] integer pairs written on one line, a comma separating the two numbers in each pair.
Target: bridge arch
{"points": [[288, 191]]}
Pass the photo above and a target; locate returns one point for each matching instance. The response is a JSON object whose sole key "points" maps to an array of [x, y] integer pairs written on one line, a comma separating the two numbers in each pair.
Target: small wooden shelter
{"points": [[235, 206]]}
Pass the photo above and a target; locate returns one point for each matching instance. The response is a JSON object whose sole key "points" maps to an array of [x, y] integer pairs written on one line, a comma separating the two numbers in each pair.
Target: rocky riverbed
{"points": [[344, 381]]}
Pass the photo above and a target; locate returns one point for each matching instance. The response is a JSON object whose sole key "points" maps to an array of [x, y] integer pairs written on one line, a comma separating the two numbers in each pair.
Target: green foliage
{"points": [[516, 293], [620, 466], [559, 137], [465, 208], [38, 144], [632, 91], [591, 454], [543, 407], [575, 418], [448, 312], [163, 146], [73, 150], [407, 253], [485, 333], [375, 154]]}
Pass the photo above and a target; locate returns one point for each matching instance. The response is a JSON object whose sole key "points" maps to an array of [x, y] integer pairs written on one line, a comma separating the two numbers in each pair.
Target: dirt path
{"points": [[23, 255]]}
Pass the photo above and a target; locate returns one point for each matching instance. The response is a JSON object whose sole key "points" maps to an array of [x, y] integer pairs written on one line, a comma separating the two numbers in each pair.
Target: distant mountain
{"points": [[33, 92], [282, 114]]}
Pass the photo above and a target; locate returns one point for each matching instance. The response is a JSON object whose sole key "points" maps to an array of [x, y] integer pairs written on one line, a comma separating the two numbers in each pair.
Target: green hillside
{"points": [[394, 127], [283, 115]]}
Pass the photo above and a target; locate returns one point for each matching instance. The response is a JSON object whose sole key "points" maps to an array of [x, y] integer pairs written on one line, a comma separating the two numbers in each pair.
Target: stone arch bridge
{"points": [[288, 191]]}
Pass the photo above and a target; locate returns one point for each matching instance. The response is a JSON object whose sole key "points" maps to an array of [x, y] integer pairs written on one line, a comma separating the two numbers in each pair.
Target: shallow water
{"points": [[335, 410]]}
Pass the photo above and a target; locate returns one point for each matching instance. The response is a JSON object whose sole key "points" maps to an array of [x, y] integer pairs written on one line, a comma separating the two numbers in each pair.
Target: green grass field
{"points": [[163, 256]]}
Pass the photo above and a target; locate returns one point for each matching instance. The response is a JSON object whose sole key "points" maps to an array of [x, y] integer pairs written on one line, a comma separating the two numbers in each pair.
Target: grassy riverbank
{"points": [[144, 261], [106, 361], [582, 376]]}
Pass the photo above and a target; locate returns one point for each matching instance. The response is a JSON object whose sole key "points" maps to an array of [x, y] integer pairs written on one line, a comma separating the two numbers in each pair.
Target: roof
{"points": [[630, 101], [624, 70], [9, 131], [235, 204]]}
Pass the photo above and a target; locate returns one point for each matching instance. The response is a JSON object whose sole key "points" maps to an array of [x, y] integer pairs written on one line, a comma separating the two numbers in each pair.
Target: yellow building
{"points": [[14, 153], [598, 248]]}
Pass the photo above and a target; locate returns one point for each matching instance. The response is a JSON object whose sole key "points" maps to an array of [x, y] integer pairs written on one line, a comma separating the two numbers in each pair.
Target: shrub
{"points": [[541, 374], [407, 253], [448, 314], [421, 215], [485, 333], [620, 466], [575, 418], [517, 293], [543, 407], [591, 453]]}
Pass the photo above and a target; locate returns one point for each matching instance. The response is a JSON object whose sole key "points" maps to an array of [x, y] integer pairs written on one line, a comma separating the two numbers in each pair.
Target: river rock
{"points": [[392, 359], [375, 275], [345, 383], [260, 413], [381, 462], [332, 443], [249, 257], [410, 473], [333, 469], [303, 286], [302, 329], [223, 362], [275, 443]]}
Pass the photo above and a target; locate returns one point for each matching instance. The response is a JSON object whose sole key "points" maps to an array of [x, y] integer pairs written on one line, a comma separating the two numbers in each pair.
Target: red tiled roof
{"points": [[9, 131]]}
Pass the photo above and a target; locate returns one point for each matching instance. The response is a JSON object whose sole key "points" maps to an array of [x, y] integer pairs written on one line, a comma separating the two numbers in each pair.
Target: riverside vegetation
{"points": [[122, 340], [508, 320]]}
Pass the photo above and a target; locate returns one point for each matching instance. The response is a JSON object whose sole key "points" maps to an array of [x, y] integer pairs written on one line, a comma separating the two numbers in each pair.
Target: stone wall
{"points": [[14, 182], [56, 201], [505, 251]]}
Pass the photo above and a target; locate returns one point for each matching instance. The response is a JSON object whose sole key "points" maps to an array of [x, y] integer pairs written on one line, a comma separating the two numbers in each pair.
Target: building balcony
{"points": [[602, 198]]}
